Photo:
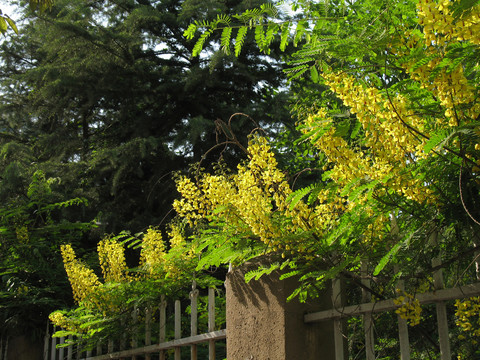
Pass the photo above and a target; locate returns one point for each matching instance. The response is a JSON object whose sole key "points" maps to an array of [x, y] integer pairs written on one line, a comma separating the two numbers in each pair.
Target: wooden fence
{"points": [[335, 314], [120, 350], [439, 297], [367, 309]]}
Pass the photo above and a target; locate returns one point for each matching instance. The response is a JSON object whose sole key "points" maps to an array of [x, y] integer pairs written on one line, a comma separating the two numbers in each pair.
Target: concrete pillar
{"points": [[23, 348], [262, 325]]}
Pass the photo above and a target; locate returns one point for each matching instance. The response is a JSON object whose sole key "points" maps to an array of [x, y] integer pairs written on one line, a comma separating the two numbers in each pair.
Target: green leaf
{"points": [[356, 129], [3, 25], [314, 73], [285, 32], [63, 333], [190, 32], [386, 258], [260, 38], [225, 40], [269, 34], [258, 273], [423, 61], [12, 24], [296, 196], [438, 139], [239, 40], [197, 49], [299, 31], [290, 274], [221, 19]]}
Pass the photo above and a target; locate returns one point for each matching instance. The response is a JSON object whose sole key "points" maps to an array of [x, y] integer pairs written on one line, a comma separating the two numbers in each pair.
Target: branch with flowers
{"points": [[395, 134]]}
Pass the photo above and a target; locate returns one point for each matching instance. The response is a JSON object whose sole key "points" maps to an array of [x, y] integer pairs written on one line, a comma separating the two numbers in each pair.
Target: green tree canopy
{"points": [[105, 98], [112, 102]]}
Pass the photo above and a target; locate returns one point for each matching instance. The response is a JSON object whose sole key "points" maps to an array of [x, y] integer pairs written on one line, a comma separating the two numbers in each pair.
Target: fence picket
{"points": [[367, 318], [134, 341], [402, 326], [401, 323], [403, 338], [61, 351], [46, 343], [211, 322], [148, 329], [441, 307], [79, 352], [110, 346], [337, 323], [178, 329], [163, 324], [123, 339], [53, 352], [193, 319], [70, 348]]}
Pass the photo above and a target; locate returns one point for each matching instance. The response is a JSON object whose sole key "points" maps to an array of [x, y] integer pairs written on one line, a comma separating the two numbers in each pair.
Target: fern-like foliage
{"points": [[284, 35], [225, 42], [257, 273], [443, 137], [312, 192], [240, 39], [197, 49]]}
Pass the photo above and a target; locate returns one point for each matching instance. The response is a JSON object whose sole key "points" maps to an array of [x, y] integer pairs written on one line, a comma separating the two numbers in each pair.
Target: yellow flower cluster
{"points": [[450, 87], [154, 259], [192, 205], [112, 260], [468, 316], [439, 26], [152, 255], [349, 164], [249, 198], [60, 320], [253, 205], [390, 144], [22, 234], [179, 254], [177, 241], [409, 309], [83, 280]]}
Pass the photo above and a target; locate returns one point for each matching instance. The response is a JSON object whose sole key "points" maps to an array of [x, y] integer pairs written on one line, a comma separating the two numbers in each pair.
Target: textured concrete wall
{"points": [[22, 348], [262, 325]]}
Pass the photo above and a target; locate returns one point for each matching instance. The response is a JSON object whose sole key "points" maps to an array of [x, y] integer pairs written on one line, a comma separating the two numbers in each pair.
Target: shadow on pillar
{"points": [[22, 348], [262, 325]]}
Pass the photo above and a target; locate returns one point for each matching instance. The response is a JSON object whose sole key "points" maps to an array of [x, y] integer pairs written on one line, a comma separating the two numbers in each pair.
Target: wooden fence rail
{"points": [[120, 350], [332, 341], [437, 297]]}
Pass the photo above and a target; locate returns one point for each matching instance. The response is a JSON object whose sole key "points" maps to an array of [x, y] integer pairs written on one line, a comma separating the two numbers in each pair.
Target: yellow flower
{"points": [[83, 280], [152, 255], [409, 309], [112, 260]]}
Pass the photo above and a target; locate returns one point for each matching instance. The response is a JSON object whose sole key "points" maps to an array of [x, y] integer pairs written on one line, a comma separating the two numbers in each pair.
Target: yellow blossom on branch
{"points": [[468, 316], [112, 260], [409, 309], [152, 255], [83, 280], [390, 144]]}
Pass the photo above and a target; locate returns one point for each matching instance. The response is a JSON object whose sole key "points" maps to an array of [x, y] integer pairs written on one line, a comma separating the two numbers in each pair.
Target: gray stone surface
{"points": [[262, 325]]}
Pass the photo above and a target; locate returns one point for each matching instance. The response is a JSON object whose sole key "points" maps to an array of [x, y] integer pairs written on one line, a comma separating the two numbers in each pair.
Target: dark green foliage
{"points": [[115, 105], [32, 278], [105, 99]]}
